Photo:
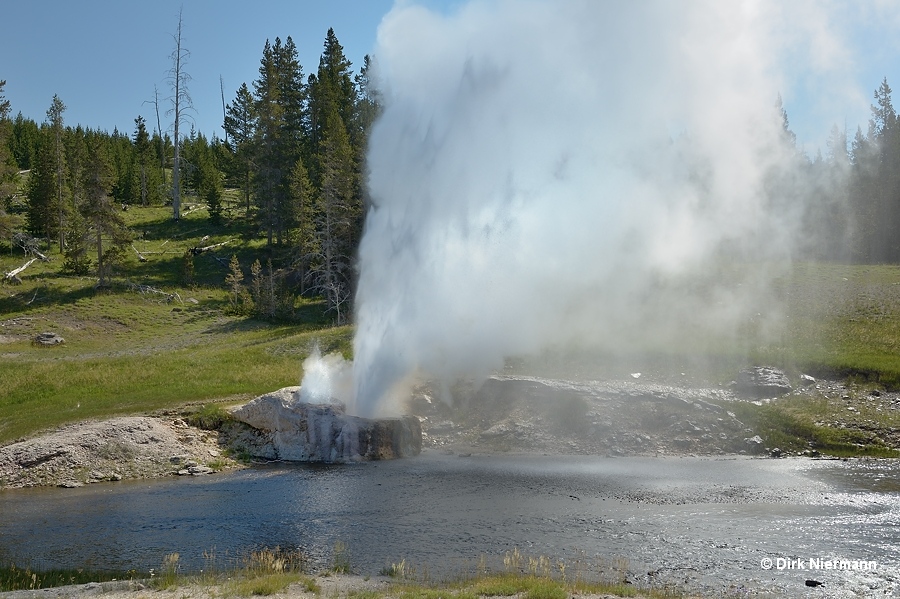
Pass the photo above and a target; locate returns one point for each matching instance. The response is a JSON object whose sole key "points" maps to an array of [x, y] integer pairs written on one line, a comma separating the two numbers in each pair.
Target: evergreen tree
{"points": [[279, 111], [55, 118], [240, 125], [144, 183], [105, 229], [7, 162], [338, 213], [239, 299], [25, 135], [41, 191], [863, 191], [369, 106], [7, 166], [302, 200], [333, 86]]}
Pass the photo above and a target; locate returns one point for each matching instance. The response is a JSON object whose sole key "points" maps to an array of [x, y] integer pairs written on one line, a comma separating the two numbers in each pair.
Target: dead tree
{"points": [[13, 275]]}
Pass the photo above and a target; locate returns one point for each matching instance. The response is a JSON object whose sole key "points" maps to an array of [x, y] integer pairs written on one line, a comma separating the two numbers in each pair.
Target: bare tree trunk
{"points": [[224, 112], [162, 142], [181, 102], [100, 265], [143, 185]]}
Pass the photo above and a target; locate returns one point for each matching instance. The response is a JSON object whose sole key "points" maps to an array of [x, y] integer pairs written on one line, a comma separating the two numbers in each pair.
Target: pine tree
{"points": [[369, 106], [54, 116], [239, 300], [279, 98], [7, 162], [41, 191], [302, 200], [25, 136], [333, 86], [106, 230], [7, 166], [144, 183], [337, 216], [240, 126]]}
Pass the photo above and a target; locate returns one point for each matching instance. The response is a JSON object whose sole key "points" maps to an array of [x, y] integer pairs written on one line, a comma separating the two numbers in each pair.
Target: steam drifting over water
{"points": [[548, 173]]}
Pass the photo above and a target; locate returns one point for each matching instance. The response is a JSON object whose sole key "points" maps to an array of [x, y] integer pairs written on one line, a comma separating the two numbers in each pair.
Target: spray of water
{"points": [[326, 379], [549, 173]]}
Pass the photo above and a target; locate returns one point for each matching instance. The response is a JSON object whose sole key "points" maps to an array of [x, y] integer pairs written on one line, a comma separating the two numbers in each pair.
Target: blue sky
{"points": [[103, 57]]}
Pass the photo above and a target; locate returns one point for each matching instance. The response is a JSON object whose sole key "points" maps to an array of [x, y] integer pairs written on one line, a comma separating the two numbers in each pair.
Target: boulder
{"points": [[47, 339], [762, 381], [291, 430]]}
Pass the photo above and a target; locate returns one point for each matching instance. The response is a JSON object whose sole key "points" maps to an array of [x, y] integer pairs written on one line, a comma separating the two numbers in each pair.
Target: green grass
{"points": [[841, 320], [803, 423], [13, 578], [268, 584], [130, 350]]}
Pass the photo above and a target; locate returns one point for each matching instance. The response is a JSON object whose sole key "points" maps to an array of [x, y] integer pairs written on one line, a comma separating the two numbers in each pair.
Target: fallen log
{"points": [[13, 275], [197, 251], [140, 256]]}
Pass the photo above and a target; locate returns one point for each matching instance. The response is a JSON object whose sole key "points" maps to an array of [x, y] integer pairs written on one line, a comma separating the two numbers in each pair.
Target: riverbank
{"points": [[123, 448], [341, 586], [506, 415]]}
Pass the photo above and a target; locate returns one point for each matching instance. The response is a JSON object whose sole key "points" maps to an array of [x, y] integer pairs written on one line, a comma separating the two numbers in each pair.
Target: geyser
{"points": [[554, 173]]}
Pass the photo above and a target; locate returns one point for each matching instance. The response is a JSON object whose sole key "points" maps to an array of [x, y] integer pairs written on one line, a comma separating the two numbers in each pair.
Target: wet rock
{"points": [[762, 381], [302, 432], [195, 470]]}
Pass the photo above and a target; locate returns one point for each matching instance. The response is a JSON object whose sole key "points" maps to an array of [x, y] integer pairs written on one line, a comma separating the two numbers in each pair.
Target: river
{"points": [[703, 524]]}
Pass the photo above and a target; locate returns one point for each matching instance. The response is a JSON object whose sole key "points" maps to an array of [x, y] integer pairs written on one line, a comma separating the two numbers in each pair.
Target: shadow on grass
{"points": [[44, 294]]}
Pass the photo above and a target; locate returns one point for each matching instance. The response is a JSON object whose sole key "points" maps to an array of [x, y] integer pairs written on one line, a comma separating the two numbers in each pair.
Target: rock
{"points": [[762, 381], [195, 470], [303, 432], [47, 339], [755, 440], [807, 380]]}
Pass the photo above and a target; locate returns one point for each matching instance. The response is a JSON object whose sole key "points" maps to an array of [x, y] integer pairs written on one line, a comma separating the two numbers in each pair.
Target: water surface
{"points": [[705, 523]]}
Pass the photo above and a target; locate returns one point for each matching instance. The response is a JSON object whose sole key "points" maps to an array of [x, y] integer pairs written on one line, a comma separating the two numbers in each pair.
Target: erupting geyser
{"points": [[547, 173]]}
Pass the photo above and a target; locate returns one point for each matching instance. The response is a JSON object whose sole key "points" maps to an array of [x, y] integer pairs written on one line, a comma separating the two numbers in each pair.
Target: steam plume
{"points": [[548, 173]]}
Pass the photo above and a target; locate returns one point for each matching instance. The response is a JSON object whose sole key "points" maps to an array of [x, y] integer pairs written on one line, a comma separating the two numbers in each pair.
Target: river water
{"points": [[704, 524]]}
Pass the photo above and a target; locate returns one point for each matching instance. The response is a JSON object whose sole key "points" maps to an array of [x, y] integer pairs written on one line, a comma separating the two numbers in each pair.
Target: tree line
{"points": [[294, 147]]}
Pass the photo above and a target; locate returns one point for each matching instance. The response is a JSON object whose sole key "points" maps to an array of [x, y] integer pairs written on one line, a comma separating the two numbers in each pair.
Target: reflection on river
{"points": [[705, 523]]}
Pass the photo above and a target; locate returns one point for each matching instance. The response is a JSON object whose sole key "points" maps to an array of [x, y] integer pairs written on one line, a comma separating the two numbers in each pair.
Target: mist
{"points": [[567, 174]]}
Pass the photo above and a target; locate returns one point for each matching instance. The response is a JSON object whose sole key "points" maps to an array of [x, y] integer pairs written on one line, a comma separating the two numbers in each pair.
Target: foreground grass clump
{"points": [[525, 577], [264, 572], [13, 578]]}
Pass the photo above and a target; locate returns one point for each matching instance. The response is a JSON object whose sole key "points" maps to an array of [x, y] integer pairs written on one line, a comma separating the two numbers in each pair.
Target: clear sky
{"points": [[104, 57]]}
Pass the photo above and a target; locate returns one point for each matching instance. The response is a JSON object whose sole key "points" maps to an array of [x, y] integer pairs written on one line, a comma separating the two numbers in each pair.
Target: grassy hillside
{"points": [[150, 341]]}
